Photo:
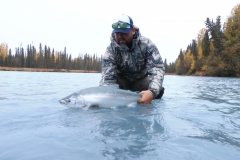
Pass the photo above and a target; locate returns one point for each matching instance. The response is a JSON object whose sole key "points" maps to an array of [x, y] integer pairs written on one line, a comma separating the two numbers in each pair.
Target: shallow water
{"points": [[197, 118]]}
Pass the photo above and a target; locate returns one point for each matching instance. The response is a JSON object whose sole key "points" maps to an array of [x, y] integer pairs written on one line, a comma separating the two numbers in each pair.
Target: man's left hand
{"points": [[147, 97]]}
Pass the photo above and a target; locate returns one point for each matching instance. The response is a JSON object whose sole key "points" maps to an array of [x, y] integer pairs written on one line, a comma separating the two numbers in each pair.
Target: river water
{"points": [[197, 118]]}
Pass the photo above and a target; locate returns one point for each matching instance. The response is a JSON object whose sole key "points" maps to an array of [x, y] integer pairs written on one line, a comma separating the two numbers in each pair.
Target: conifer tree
{"points": [[194, 49], [22, 57], [69, 62], [205, 45], [52, 62], [216, 34], [10, 58], [165, 65], [180, 69], [232, 49]]}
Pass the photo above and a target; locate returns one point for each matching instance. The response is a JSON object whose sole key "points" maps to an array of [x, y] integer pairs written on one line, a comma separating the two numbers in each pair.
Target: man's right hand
{"points": [[147, 97]]}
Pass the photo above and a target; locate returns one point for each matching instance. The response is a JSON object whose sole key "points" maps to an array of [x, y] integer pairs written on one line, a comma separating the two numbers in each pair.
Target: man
{"points": [[132, 62]]}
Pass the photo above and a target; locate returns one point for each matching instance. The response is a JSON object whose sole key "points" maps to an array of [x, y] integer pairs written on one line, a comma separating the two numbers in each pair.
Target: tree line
{"points": [[47, 58], [215, 51]]}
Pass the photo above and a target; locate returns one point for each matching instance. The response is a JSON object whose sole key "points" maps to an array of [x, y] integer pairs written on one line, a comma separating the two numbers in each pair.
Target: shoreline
{"points": [[44, 70], [51, 70]]}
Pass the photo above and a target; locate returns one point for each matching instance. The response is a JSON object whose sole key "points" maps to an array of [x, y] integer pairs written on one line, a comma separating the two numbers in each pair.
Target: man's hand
{"points": [[147, 97]]}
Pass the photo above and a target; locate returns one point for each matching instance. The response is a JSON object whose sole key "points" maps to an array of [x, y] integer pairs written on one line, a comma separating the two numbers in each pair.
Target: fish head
{"points": [[73, 100]]}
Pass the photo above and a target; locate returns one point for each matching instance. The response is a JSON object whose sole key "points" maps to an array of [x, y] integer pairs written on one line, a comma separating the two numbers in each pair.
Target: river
{"points": [[197, 118]]}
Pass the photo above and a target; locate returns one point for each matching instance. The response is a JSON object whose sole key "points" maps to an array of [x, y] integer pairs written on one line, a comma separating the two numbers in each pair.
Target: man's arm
{"points": [[156, 69], [108, 69], [156, 72]]}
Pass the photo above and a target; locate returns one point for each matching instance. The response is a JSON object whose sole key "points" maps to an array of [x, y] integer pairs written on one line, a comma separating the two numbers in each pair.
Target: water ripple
{"points": [[197, 118]]}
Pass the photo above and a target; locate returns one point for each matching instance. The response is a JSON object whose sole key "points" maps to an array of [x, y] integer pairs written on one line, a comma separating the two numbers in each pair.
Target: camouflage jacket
{"points": [[141, 60]]}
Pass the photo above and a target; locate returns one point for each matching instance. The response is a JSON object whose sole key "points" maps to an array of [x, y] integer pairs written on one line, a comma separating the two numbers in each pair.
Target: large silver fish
{"points": [[102, 96]]}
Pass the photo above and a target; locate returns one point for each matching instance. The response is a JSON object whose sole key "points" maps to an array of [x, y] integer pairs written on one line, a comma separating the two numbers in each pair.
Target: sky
{"points": [[84, 26]]}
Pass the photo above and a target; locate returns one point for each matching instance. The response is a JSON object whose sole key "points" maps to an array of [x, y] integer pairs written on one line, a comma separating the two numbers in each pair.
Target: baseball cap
{"points": [[125, 19]]}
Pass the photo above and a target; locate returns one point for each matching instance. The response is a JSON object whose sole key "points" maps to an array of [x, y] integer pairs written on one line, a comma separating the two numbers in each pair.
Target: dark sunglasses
{"points": [[121, 25]]}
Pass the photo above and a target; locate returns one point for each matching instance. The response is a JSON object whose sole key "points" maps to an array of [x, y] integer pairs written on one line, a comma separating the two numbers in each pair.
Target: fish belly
{"points": [[110, 100]]}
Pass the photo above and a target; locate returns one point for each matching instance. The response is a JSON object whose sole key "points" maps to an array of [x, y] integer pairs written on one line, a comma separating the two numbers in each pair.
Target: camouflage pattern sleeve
{"points": [[108, 69], [155, 68]]}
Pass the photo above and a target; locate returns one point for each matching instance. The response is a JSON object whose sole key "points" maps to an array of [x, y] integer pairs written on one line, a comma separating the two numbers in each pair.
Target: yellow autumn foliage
{"points": [[178, 66], [3, 50], [200, 37], [232, 26], [188, 60]]}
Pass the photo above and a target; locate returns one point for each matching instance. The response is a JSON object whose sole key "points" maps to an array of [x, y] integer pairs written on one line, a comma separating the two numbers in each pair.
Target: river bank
{"points": [[44, 70], [51, 70]]}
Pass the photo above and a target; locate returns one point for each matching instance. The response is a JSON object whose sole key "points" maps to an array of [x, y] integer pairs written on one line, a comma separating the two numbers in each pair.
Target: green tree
{"points": [[69, 62], [216, 34], [52, 60], [206, 45], [232, 44], [165, 65], [22, 57], [10, 58], [180, 68], [28, 58], [194, 50], [41, 57]]}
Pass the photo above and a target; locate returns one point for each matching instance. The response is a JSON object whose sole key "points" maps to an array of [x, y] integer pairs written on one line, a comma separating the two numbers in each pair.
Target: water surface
{"points": [[197, 118]]}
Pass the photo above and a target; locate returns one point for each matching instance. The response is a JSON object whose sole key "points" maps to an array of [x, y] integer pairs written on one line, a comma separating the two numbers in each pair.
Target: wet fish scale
{"points": [[102, 96]]}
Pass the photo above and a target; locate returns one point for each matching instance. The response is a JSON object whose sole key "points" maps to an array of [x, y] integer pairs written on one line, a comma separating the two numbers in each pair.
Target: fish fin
{"points": [[86, 107], [134, 104]]}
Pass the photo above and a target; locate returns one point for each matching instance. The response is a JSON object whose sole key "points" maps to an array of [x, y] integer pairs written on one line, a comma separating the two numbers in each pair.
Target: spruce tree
{"points": [[206, 45], [165, 65], [22, 57], [194, 49]]}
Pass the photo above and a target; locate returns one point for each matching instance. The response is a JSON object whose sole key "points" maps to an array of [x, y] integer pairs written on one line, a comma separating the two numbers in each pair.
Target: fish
{"points": [[100, 96]]}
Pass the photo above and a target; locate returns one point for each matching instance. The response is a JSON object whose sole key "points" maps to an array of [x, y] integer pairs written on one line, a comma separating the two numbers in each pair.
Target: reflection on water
{"points": [[130, 134], [123, 133], [197, 118]]}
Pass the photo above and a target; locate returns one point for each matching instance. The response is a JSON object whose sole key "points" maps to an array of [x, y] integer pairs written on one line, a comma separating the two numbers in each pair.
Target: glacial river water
{"points": [[197, 118]]}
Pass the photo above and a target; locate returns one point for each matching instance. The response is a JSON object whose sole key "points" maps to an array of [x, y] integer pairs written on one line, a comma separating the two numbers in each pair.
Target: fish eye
{"points": [[68, 100]]}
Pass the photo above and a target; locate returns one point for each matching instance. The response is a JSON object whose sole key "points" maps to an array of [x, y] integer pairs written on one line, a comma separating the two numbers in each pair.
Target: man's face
{"points": [[125, 38]]}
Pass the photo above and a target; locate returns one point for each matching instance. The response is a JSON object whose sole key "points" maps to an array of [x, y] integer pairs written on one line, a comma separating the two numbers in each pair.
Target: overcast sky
{"points": [[84, 26]]}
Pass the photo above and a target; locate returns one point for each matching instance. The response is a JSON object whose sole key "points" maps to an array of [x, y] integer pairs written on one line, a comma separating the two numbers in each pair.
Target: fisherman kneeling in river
{"points": [[132, 62]]}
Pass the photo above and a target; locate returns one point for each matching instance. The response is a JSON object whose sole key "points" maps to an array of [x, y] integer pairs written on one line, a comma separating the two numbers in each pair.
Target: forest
{"points": [[215, 51], [47, 58]]}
